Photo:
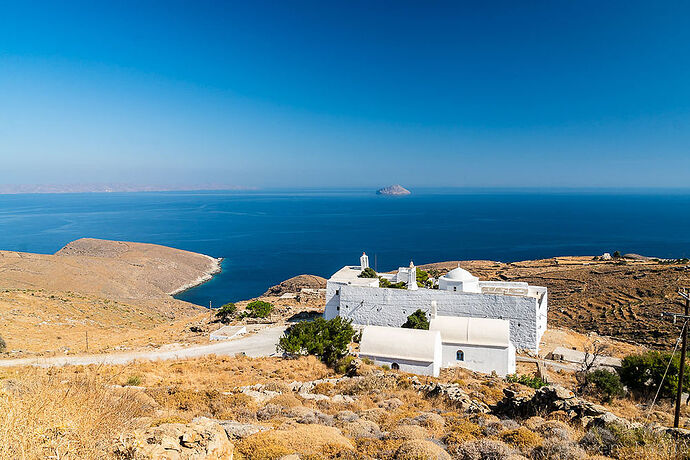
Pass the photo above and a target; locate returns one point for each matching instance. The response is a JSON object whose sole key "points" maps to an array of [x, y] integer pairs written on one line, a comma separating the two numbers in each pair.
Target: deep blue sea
{"points": [[266, 237]]}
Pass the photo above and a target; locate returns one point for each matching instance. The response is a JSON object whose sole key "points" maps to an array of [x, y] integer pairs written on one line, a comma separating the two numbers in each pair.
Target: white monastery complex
{"points": [[474, 324]]}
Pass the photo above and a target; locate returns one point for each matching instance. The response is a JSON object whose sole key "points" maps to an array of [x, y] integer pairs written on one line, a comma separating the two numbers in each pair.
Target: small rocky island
{"points": [[394, 190]]}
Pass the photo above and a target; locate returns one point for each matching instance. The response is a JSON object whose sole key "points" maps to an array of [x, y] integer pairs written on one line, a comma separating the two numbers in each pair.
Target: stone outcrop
{"points": [[201, 440], [554, 398], [455, 394]]}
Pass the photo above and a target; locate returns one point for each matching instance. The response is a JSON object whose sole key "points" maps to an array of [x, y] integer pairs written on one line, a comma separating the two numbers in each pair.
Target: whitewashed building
{"points": [[477, 344], [409, 350], [459, 293]]}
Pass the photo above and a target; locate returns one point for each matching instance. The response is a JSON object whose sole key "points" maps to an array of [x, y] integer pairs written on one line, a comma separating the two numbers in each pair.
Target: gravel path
{"points": [[260, 343]]}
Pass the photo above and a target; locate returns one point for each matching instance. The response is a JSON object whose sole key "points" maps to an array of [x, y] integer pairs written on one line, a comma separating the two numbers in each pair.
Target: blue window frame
{"points": [[460, 355]]}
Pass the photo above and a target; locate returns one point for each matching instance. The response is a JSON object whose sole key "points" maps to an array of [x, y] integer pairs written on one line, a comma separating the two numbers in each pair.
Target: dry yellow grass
{"points": [[45, 417]]}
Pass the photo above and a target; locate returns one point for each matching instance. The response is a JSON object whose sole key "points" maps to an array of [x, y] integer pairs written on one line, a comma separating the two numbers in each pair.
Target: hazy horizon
{"points": [[313, 94]]}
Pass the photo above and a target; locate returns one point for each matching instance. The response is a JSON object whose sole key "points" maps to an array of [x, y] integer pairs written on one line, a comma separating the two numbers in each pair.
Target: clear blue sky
{"points": [[349, 93]]}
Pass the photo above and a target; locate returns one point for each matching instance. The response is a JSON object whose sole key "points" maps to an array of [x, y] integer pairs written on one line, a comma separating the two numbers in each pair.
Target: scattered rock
{"points": [[204, 440]]}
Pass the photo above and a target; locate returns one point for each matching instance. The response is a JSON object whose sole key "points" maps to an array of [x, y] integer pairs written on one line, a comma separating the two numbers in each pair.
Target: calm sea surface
{"points": [[266, 237]]}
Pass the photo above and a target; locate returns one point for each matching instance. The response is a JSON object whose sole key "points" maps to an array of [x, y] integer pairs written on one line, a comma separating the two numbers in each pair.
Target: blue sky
{"points": [[290, 94]]}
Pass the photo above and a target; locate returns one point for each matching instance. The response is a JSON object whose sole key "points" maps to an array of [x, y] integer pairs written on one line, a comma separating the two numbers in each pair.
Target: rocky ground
{"points": [[272, 408]]}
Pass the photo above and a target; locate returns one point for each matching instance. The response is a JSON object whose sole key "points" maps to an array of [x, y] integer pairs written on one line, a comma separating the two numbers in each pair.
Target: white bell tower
{"points": [[364, 261], [412, 278]]}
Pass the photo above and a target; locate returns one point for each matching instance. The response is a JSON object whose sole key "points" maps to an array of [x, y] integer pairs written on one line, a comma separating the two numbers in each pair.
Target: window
{"points": [[395, 366], [455, 288], [460, 355], [337, 292]]}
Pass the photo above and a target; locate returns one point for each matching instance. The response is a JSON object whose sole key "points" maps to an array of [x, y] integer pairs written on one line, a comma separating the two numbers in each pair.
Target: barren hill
{"points": [[112, 269]]}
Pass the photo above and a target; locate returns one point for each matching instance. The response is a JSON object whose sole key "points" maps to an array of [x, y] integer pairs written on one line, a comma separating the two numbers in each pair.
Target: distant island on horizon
{"points": [[393, 190]]}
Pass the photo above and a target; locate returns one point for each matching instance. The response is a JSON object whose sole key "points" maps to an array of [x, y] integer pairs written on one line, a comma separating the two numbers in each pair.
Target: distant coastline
{"points": [[17, 189]]}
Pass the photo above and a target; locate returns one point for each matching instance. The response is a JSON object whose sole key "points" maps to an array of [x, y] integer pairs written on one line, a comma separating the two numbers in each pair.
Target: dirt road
{"points": [[261, 343]]}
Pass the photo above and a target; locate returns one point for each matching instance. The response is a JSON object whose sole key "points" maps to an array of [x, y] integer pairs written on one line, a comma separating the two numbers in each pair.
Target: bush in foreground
{"points": [[417, 320], [326, 339], [3, 345]]}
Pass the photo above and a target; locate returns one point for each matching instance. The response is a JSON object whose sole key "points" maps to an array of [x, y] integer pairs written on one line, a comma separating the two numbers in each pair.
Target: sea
{"points": [[267, 236]]}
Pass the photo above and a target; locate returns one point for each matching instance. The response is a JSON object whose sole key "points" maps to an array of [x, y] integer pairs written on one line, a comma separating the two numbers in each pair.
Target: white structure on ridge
{"points": [[477, 344], [410, 350], [459, 293]]}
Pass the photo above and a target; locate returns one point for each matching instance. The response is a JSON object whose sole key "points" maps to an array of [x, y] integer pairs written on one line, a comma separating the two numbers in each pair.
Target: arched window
{"points": [[395, 366], [460, 355]]}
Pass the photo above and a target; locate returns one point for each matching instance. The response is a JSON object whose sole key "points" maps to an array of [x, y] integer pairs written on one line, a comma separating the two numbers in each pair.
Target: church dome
{"points": [[460, 274]]}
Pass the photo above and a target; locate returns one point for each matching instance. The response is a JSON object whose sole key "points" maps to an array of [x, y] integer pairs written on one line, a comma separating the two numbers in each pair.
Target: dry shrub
{"points": [[47, 418], [362, 429], [555, 429], [460, 433], [491, 394], [211, 403], [420, 450], [521, 437], [280, 387], [484, 449], [558, 449], [409, 432], [169, 419], [324, 388], [286, 400], [302, 439], [378, 448]]}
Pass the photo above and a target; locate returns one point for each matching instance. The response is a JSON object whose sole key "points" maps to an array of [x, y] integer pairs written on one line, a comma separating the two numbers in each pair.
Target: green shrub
{"points": [[417, 320], [527, 380], [423, 279], [326, 339], [3, 345], [133, 381], [259, 309], [226, 312], [616, 254], [607, 384], [641, 373], [368, 273]]}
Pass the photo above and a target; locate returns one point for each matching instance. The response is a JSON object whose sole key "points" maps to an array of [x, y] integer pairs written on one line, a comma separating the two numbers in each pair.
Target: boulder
{"points": [[202, 440]]}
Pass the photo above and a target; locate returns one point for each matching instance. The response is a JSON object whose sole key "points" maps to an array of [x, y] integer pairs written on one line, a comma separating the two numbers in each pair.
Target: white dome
{"points": [[460, 274]]}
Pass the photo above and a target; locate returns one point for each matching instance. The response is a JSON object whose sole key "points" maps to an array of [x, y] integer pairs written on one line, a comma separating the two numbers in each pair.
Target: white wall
{"points": [[480, 358], [390, 307], [413, 367]]}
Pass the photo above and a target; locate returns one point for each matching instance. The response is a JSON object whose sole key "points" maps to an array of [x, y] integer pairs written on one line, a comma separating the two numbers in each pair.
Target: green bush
{"points": [[417, 320], [259, 309], [384, 283], [616, 254], [641, 373], [527, 380], [423, 278], [133, 381], [226, 312], [368, 273], [3, 345], [606, 384], [326, 339]]}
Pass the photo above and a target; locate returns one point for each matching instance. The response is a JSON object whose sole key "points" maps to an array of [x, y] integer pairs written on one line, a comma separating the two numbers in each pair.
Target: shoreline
{"points": [[208, 276]]}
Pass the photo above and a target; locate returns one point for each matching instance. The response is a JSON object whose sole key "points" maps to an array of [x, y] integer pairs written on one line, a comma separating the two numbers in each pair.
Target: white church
{"points": [[479, 324]]}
